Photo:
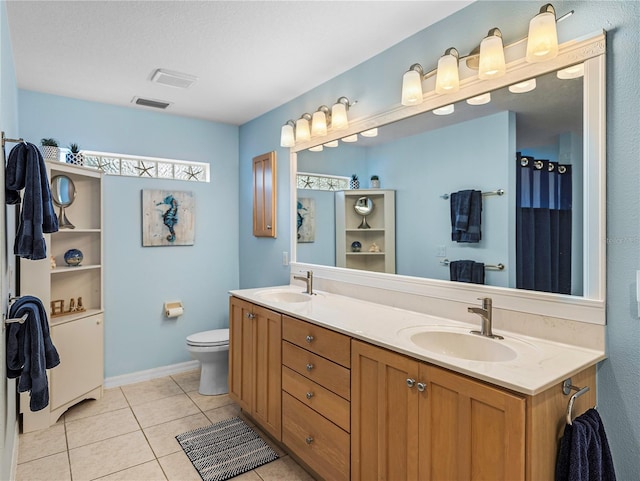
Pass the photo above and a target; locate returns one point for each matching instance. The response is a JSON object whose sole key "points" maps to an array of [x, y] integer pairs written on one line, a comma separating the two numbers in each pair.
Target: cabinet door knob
{"points": [[309, 339], [411, 382], [421, 386], [250, 315], [309, 367], [268, 227], [309, 440], [309, 395]]}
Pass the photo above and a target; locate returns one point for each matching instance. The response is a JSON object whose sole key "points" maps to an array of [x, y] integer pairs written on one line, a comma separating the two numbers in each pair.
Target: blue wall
{"points": [[139, 279], [376, 85]]}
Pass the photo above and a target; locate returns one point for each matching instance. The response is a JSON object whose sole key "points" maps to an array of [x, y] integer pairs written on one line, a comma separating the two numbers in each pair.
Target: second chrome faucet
{"points": [[308, 279], [485, 313]]}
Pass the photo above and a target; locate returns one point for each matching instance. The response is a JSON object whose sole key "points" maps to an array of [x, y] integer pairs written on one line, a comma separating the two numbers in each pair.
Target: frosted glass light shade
{"points": [[411, 88], [522, 87], [339, 120], [575, 71], [370, 133], [444, 110], [303, 134], [542, 43], [317, 148], [480, 99], [318, 124], [286, 136], [333, 143], [351, 138], [447, 77], [492, 63]]}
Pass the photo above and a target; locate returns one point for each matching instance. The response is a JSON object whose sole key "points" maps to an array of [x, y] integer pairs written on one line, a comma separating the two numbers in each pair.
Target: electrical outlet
{"points": [[441, 251], [285, 258]]}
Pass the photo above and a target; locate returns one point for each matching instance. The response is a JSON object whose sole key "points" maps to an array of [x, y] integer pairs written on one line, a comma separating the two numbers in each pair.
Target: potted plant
{"points": [[375, 182], [74, 156], [50, 150], [354, 183]]}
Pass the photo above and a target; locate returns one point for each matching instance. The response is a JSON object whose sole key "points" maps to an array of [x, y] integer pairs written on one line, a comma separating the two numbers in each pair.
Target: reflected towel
{"points": [[467, 271], [466, 216], [584, 451]]}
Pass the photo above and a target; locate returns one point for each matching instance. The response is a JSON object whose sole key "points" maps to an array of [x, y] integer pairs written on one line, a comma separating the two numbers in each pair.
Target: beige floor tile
{"points": [[102, 426], [209, 402], [188, 381], [248, 476], [109, 456], [224, 412], [112, 400], [283, 469], [42, 443], [164, 410], [144, 392], [178, 467], [162, 437], [54, 467], [150, 471]]}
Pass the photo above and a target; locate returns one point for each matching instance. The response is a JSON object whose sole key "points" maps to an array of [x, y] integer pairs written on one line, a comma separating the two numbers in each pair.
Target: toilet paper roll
{"points": [[174, 312]]}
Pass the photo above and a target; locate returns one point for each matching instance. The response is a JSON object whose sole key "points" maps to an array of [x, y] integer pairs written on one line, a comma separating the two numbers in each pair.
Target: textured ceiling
{"points": [[249, 56]]}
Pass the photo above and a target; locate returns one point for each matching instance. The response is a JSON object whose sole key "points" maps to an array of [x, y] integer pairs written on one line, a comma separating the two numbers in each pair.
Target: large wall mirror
{"points": [[520, 138]]}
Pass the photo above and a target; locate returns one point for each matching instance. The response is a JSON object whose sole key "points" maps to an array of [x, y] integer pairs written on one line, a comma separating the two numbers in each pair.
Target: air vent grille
{"points": [[173, 79], [156, 104]]}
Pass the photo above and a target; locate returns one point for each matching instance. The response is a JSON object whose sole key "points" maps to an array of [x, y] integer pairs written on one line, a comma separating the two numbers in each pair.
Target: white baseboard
{"points": [[149, 374], [14, 457]]}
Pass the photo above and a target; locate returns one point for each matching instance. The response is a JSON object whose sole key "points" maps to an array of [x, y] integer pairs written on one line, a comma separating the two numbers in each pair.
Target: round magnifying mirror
{"points": [[364, 207], [63, 193]]}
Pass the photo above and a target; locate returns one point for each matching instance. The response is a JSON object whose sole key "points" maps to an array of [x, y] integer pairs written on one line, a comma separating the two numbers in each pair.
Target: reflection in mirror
{"points": [[428, 157], [63, 193]]}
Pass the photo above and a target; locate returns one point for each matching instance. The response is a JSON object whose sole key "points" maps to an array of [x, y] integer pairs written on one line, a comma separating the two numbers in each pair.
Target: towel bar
{"points": [[19, 320], [484, 194], [6, 139], [567, 387], [491, 267]]}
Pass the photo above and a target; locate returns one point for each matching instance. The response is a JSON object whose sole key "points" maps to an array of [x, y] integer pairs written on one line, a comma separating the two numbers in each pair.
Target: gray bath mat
{"points": [[225, 449]]}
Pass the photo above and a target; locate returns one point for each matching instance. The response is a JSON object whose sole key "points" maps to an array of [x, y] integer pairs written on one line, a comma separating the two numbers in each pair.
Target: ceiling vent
{"points": [[173, 79], [156, 104]]}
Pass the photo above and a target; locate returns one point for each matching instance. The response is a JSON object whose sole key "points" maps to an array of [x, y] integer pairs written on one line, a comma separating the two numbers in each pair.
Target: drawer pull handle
{"points": [[309, 440], [421, 386], [411, 382], [309, 367], [309, 395], [309, 339]]}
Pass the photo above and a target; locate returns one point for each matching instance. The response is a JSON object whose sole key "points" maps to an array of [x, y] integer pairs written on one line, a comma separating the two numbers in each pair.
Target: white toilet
{"points": [[211, 348]]}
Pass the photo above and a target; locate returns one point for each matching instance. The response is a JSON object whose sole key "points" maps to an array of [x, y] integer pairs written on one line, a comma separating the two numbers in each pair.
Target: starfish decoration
{"points": [[144, 170], [102, 164], [307, 183], [192, 174], [331, 184]]}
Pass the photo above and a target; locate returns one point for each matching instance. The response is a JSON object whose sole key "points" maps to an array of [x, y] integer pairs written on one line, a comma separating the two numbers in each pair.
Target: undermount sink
{"points": [[284, 296], [464, 345]]}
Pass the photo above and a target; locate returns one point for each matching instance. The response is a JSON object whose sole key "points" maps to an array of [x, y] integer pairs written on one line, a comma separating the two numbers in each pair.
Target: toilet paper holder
{"points": [[173, 309]]}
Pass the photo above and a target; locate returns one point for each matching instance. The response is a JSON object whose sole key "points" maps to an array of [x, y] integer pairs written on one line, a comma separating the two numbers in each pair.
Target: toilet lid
{"points": [[215, 337]]}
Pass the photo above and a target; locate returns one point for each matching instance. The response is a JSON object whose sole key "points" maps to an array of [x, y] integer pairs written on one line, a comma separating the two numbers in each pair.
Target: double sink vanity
{"points": [[359, 390]]}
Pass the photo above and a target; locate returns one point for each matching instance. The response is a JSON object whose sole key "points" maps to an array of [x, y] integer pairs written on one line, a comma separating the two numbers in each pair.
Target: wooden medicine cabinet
{"points": [[264, 195]]}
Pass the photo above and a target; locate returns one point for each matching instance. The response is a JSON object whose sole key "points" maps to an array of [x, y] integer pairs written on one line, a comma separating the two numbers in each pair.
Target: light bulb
{"points": [[411, 88], [542, 41], [302, 130], [447, 77], [286, 136], [492, 63]]}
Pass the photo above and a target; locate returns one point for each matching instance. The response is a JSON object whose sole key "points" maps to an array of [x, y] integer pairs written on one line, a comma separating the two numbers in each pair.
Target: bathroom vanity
{"points": [[354, 390]]}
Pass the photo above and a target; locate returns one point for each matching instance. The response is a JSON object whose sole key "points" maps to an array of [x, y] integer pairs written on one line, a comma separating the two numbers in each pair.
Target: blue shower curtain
{"points": [[543, 225]]}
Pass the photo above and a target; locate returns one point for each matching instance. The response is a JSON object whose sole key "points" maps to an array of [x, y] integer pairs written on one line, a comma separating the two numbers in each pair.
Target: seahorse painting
{"points": [[170, 217]]}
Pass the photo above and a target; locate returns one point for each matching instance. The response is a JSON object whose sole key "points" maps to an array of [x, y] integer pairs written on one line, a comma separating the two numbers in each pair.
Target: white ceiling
{"points": [[249, 56]]}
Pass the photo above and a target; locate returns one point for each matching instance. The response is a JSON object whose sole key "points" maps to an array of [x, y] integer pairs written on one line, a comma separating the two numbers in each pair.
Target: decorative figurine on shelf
{"points": [[57, 307], [375, 182], [73, 257], [80, 306], [374, 248], [72, 305], [356, 246], [53, 262]]}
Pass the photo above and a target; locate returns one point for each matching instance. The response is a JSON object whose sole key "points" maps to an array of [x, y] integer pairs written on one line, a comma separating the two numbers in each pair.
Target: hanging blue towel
{"points": [[26, 170], [30, 351], [466, 271], [466, 216], [584, 451]]}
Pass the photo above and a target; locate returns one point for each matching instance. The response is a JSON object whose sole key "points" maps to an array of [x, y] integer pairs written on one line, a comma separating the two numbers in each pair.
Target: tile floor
{"points": [[129, 435]]}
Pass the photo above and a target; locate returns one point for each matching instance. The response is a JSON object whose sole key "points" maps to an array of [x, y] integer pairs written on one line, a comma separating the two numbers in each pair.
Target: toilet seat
{"points": [[215, 337]]}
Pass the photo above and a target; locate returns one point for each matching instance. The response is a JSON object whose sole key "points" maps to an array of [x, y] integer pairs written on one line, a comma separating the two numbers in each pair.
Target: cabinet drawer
{"points": [[318, 442], [326, 373], [325, 342], [321, 400]]}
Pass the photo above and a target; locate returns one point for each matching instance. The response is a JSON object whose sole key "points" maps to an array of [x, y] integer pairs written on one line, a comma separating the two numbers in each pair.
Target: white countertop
{"points": [[538, 363]]}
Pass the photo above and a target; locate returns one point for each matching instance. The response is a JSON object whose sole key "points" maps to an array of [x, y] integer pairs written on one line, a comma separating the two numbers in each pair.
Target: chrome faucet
{"points": [[308, 279], [485, 313]]}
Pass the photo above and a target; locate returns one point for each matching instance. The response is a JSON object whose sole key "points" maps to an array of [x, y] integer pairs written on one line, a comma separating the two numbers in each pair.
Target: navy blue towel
{"points": [[30, 351], [584, 451], [26, 170], [466, 216], [466, 271]]}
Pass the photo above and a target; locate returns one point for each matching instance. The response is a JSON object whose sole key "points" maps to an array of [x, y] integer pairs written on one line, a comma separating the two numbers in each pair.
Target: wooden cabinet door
{"points": [[264, 195], [469, 430], [241, 352], [267, 401], [384, 415], [80, 344]]}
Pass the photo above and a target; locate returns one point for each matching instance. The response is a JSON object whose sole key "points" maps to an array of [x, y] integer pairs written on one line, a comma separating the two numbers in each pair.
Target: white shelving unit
{"points": [[78, 336], [382, 231]]}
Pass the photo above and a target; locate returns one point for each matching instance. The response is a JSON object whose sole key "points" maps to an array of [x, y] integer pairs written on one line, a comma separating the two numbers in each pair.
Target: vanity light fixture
{"points": [[320, 119], [522, 87], [492, 64], [447, 77], [542, 43], [575, 71], [317, 148], [412, 85], [444, 110], [350, 138], [370, 133], [287, 138], [303, 134], [339, 119], [480, 99], [333, 143]]}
